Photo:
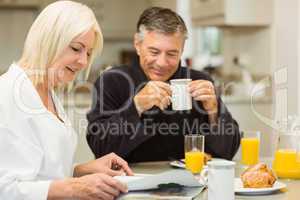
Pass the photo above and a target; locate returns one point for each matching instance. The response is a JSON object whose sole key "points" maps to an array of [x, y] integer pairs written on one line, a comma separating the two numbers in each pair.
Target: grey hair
{"points": [[162, 20], [141, 33]]}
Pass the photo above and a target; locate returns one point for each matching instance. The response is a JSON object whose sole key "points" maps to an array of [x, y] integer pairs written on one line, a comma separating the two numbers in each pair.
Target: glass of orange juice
{"points": [[250, 147], [286, 162], [194, 152]]}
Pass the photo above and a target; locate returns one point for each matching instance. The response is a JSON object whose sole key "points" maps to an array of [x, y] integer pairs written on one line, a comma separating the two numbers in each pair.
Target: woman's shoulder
{"points": [[12, 75], [17, 91], [6, 86]]}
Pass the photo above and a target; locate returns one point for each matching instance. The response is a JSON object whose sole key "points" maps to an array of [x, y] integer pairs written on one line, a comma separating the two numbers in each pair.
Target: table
{"points": [[291, 193]]}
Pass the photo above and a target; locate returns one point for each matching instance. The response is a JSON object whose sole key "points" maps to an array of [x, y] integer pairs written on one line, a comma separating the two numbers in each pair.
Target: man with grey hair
{"points": [[131, 112]]}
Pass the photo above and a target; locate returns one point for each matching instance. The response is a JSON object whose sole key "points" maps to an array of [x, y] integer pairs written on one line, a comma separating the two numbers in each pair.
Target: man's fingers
{"points": [[166, 101], [165, 98], [162, 101], [162, 93], [157, 102], [158, 90], [196, 82], [204, 91], [205, 97], [201, 86], [165, 86], [196, 85]]}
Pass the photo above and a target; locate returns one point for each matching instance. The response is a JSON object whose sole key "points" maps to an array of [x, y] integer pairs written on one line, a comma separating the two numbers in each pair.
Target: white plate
{"points": [[239, 189], [178, 164]]}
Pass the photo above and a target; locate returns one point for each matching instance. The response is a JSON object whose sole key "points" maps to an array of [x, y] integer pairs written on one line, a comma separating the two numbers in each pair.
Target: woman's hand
{"points": [[90, 187], [110, 164]]}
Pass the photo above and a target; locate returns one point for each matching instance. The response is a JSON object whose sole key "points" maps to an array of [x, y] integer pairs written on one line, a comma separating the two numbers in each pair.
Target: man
{"points": [[131, 112]]}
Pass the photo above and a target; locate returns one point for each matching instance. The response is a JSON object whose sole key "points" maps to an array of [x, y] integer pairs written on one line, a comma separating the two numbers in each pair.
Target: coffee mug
{"points": [[181, 98], [219, 177]]}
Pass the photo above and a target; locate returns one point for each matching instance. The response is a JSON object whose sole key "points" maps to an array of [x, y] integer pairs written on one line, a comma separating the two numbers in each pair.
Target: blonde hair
{"points": [[53, 30]]}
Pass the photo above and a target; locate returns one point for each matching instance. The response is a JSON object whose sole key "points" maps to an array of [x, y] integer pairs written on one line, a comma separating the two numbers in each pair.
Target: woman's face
{"points": [[73, 59]]}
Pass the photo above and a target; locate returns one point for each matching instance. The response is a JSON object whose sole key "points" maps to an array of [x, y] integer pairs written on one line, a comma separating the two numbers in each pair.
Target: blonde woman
{"points": [[37, 142]]}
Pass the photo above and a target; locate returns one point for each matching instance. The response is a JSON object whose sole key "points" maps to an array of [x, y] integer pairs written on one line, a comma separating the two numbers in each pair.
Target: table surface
{"points": [[292, 192]]}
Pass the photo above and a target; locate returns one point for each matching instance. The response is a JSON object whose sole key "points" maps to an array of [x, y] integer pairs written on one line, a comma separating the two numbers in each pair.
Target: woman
{"points": [[37, 142]]}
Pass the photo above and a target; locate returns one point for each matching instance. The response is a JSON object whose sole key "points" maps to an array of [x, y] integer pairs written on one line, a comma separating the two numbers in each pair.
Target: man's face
{"points": [[159, 54]]}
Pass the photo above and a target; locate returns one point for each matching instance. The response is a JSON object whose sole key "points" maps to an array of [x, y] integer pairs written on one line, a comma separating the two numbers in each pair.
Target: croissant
{"points": [[258, 176], [207, 157]]}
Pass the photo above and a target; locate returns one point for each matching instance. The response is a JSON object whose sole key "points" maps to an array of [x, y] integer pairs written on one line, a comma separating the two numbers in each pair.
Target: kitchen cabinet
{"points": [[231, 12], [118, 18], [14, 25], [19, 3]]}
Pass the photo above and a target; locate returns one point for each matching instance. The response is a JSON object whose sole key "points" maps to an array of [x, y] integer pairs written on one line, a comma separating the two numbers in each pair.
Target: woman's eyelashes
{"points": [[79, 50], [76, 49]]}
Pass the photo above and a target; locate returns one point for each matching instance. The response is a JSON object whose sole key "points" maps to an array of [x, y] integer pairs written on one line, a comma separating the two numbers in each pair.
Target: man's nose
{"points": [[161, 60]]}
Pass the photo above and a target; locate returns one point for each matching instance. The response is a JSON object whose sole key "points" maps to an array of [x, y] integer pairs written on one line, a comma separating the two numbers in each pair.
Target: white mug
{"points": [[220, 179], [181, 98]]}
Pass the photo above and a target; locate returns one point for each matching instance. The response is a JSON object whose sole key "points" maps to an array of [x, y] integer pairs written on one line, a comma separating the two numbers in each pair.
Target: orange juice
{"points": [[250, 151], [286, 163], [194, 161]]}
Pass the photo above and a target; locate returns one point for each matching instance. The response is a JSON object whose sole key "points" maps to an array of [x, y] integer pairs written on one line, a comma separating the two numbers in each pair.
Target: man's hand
{"points": [[204, 91], [155, 93], [110, 164]]}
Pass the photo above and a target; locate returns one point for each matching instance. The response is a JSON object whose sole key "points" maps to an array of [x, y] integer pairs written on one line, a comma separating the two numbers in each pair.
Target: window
{"points": [[209, 41]]}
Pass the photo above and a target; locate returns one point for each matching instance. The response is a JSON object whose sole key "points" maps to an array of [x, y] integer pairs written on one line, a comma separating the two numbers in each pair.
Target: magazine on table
{"points": [[181, 193], [172, 184]]}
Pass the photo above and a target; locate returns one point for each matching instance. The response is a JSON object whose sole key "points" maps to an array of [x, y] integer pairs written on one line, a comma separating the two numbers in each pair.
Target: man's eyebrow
{"points": [[153, 48], [173, 51], [169, 51]]}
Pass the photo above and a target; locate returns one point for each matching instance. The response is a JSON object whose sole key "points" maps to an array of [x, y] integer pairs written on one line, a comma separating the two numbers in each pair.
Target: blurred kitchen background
{"points": [[250, 47]]}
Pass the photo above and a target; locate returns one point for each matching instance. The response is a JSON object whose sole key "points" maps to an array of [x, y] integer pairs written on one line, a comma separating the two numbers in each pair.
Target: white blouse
{"points": [[35, 146]]}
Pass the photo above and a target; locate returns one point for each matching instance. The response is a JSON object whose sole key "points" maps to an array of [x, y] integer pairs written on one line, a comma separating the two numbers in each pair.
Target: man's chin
{"points": [[158, 78]]}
